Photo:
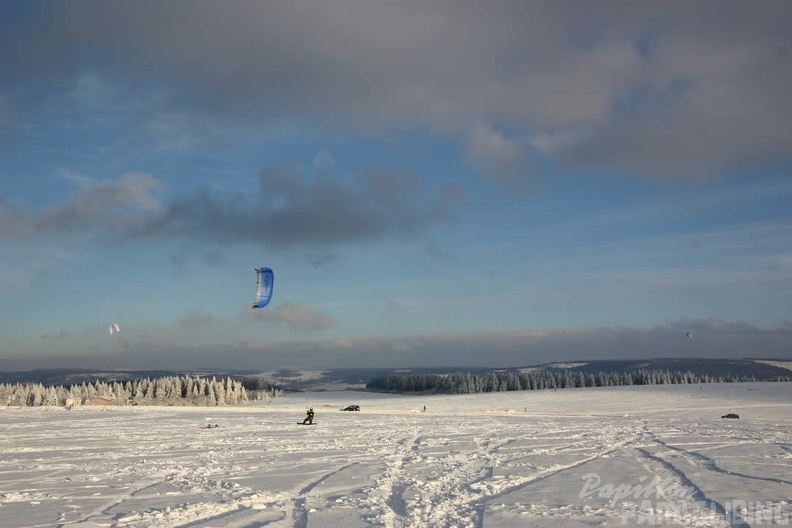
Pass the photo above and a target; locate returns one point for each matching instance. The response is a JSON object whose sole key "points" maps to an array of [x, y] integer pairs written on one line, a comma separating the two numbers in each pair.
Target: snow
{"points": [[621, 456], [782, 364]]}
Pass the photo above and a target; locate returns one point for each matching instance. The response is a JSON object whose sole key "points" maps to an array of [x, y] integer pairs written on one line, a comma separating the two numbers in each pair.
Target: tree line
{"points": [[500, 381], [169, 390]]}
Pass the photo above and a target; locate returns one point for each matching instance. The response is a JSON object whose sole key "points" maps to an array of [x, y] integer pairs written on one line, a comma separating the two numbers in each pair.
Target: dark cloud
{"points": [[713, 108], [298, 316], [108, 204], [293, 208], [688, 85], [195, 319], [322, 259], [104, 206], [713, 338], [59, 335], [290, 208], [14, 221]]}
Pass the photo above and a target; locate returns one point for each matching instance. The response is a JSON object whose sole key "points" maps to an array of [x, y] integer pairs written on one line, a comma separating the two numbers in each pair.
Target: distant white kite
{"points": [[113, 329]]}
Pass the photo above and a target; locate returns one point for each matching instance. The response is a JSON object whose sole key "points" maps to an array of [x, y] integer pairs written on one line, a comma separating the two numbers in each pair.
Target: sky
{"points": [[433, 183]]}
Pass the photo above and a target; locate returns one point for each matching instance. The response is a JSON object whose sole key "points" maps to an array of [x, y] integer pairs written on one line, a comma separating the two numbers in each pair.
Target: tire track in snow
{"points": [[299, 511], [610, 441], [710, 464], [458, 497], [549, 472], [710, 504], [703, 463], [680, 483]]}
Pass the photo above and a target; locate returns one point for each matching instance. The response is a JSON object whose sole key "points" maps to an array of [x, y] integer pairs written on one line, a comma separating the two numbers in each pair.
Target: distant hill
{"points": [[760, 369], [344, 378], [356, 378], [290, 379]]}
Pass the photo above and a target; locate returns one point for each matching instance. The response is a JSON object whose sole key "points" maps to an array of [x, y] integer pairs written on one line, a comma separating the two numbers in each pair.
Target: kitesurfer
{"points": [[309, 416]]}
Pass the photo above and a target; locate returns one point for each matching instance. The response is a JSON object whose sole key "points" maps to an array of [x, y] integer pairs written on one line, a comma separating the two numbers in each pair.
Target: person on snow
{"points": [[309, 417]]}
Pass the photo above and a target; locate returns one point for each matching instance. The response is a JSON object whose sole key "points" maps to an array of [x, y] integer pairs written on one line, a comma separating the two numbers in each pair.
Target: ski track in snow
{"points": [[507, 459]]}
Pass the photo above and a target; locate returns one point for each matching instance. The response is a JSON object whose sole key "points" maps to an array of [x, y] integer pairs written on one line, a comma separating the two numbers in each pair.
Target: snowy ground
{"points": [[576, 457]]}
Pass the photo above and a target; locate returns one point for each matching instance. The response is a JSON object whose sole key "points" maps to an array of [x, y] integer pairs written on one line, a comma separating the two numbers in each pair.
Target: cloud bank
{"points": [[668, 89], [713, 338], [298, 316], [292, 208]]}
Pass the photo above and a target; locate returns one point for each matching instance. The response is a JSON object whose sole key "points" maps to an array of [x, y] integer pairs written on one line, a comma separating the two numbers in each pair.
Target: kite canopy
{"points": [[265, 280], [113, 329], [689, 335]]}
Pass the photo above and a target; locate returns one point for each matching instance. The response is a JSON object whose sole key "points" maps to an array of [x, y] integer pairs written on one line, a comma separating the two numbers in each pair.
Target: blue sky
{"points": [[434, 184]]}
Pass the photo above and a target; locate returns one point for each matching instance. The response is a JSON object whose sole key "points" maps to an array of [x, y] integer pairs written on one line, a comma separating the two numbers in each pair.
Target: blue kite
{"points": [[265, 280]]}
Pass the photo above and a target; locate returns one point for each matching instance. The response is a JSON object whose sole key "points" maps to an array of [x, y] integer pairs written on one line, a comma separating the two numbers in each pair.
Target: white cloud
{"points": [[551, 143], [490, 146], [323, 159], [79, 180], [107, 203], [298, 316]]}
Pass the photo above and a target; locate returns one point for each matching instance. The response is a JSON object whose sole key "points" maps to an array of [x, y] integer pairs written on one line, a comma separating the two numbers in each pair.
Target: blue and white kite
{"points": [[265, 280]]}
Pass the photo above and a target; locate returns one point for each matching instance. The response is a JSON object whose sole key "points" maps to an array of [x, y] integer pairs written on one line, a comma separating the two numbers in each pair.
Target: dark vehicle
{"points": [[730, 415], [351, 408]]}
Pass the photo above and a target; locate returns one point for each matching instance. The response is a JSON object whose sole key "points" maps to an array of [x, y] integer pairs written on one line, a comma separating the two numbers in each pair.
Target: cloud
{"points": [[195, 319], [319, 260], [713, 338], [665, 85], [60, 335], [294, 208], [23, 261], [323, 159], [494, 153], [6, 123], [96, 206], [490, 146], [291, 208], [14, 221], [298, 316], [716, 108], [509, 159]]}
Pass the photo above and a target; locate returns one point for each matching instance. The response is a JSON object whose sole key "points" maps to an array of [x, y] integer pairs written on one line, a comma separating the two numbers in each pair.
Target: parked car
{"points": [[351, 408]]}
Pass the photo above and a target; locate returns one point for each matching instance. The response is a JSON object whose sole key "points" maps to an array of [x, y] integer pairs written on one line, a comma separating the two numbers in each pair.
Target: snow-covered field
{"points": [[576, 457]]}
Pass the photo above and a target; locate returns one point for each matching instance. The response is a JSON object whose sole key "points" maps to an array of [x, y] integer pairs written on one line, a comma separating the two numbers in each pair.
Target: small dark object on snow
{"points": [[730, 415], [351, 408]]}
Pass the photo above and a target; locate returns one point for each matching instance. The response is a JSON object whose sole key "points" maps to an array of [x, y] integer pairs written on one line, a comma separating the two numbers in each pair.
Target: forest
{"points": [[211, 392], [168, 390], [500, 381]]}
